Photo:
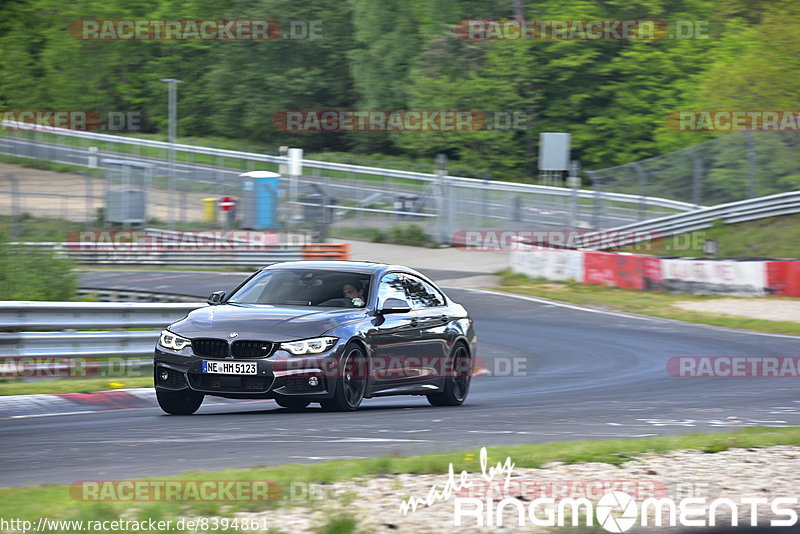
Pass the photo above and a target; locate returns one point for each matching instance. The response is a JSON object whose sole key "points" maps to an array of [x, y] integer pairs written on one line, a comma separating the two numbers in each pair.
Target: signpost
{"points": [[227, 204]]}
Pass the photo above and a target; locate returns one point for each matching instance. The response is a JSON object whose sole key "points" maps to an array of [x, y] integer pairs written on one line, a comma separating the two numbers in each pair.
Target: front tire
{"points": [[351, 385], [456, 387], [183, 402]]}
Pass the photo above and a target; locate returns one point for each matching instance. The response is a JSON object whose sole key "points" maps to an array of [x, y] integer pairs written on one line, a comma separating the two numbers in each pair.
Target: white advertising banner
{"points": [[726, 277], [549, 263]]}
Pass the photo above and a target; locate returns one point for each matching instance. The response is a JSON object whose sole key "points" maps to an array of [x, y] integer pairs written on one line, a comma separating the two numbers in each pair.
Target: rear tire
{"points": [[291, 403], [350, 386], [183, 402], [456, 387]]}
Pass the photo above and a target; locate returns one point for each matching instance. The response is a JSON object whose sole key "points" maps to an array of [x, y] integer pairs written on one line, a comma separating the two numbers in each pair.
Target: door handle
{"points": [[414, 322]]}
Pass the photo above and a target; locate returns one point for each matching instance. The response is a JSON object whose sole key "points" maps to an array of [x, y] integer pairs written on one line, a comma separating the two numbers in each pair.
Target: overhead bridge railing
{"points": [[456, 181], [730, 213], [246, 256]]}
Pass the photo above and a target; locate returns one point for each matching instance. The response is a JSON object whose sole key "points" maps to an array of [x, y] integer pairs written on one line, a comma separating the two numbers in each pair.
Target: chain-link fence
{"points": [[733, 167], [333, 199]]}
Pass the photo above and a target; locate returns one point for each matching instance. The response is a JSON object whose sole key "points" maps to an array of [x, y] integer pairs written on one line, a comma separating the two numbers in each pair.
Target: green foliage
{"points": [[409, 234], [613, 96], [32, 274]]}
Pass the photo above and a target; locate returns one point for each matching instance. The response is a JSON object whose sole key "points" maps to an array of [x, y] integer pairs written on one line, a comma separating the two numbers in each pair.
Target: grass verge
{"points": [[73, 385], [26, 503], [642, 302], [774, 237]]}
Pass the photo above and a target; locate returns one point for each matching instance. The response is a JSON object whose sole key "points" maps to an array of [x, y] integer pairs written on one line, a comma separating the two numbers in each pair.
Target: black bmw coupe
{"points": [[332, 332]]}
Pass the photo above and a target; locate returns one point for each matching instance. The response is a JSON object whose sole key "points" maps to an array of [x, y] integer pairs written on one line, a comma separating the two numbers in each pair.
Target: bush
{"points": [[28, 273], [412, 234]]}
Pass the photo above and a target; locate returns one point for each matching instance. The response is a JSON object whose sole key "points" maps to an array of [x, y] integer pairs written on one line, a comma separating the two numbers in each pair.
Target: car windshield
{"points": [[305, 287]]}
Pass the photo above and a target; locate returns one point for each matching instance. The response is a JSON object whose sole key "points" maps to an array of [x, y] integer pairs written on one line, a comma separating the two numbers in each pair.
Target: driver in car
{"points": [[355, 292]]}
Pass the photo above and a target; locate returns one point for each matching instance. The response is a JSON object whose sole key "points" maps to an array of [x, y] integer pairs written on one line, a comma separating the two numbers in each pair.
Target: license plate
{"points": [[230, 368]]}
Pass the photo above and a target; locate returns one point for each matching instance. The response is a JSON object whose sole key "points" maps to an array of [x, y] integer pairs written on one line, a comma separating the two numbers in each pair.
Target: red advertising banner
{"points": [[783, 278], [599, 268]]}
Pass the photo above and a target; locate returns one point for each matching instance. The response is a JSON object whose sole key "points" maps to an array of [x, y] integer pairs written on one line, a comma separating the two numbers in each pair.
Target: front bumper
{"points": [[278, 375]]}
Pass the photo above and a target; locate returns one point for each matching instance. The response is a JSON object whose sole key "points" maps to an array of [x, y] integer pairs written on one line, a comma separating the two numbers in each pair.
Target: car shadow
{"points": [[278, 411]]}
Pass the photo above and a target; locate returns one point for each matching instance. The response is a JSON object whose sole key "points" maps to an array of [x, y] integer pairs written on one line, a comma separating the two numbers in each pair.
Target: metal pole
{"points": [[751, 165], [173, 117], [697, 177], [596, 206], [642, 189], [14, 205], [442, 193], [574, 182]]}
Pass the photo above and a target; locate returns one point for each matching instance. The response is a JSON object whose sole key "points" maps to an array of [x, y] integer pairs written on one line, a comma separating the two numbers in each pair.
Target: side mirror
{"points": [[394, 306], [216, 297]]}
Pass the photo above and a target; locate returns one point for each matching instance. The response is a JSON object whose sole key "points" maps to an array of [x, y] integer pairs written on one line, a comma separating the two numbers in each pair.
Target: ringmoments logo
{"points": [[615, 511]]}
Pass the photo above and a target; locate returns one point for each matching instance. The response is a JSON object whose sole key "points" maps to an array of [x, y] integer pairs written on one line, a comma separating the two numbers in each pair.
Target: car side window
{"points": [[391, 287], [421, 294]]}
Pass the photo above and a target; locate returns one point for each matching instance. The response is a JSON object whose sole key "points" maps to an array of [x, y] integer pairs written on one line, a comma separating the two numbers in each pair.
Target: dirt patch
{"points": [[76, 198], [767, 309]]}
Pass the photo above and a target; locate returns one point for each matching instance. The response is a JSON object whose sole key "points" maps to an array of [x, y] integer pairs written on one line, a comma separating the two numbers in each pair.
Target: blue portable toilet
{"points": [[260, 195]]}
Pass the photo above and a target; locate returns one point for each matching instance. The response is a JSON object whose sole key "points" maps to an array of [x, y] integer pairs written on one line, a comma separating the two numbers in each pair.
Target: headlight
{"points": [[317, 345], [172, 341]]}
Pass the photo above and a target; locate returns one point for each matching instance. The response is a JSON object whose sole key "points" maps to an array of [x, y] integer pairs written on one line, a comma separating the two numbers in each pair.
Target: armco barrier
{"points": [[192, 256], [747, 278]]}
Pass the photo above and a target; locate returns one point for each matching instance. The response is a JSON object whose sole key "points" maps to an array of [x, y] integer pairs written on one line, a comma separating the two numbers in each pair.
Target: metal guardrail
{"points": [[191, 256], [70, 316], [78, 344], [730, 213], [358, 169], [36, 315], [130, 295]]}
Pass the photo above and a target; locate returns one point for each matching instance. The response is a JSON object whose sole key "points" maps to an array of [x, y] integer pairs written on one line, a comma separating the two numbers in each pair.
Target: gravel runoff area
{"points": [[768, 309], [734, 474]]}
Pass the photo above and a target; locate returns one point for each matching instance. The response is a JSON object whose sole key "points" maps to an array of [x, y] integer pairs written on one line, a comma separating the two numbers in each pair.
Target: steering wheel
{"points": [[338, 302]]}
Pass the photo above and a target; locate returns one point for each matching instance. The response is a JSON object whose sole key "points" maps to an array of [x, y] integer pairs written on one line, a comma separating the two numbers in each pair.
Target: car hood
{"points": [[251, 321]]}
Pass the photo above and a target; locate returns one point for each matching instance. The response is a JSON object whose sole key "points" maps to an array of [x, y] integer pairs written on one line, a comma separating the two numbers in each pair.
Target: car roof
{"points": [[346, 266], [350, 266]]}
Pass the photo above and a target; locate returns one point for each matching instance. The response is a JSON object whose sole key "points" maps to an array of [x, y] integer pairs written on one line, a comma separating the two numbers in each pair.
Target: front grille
{"points": [[210, 348], [251, 349], [231, 384]]}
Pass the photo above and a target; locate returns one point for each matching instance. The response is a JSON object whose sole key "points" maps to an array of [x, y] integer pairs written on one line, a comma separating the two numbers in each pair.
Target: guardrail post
{"points": [[597, 204], [441, 192], [751, 165], [697, 177], [642, 187]]}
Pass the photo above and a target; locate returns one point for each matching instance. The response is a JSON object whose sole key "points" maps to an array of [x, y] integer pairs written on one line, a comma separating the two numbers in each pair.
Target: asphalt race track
{"points": [[583, 375]]}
